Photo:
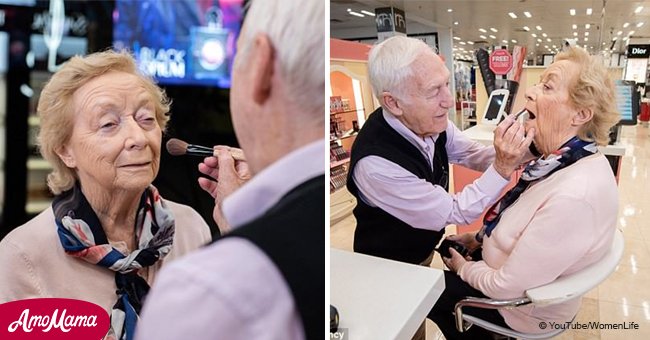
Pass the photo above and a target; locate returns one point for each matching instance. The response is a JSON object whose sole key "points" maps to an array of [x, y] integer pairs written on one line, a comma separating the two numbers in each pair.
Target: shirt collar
{"points": [[266, 188], [405, 132]]}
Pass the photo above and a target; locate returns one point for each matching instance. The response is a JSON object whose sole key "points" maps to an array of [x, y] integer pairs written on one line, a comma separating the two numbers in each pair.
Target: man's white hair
{"points": [[390, 64], [296, 30]]}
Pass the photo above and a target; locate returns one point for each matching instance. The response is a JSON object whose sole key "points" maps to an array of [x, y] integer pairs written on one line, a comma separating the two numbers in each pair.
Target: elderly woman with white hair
{"points": [[561, 215], [108, 231]]}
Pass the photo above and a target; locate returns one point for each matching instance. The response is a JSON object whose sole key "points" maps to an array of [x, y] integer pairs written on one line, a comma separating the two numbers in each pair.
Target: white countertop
{"points": [[381, 299], [484, 134]]}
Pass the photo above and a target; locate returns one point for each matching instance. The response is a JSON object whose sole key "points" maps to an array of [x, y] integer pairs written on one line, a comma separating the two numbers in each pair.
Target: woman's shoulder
{"points": [[188, 221], [589, 178], [36, 238]]}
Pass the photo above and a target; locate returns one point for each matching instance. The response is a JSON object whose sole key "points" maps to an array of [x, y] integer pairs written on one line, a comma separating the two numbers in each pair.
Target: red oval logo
{"points": [[52, 318]]}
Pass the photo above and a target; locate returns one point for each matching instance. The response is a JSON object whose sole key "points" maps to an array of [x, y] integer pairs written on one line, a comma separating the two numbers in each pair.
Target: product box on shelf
{"points": [[336, 104]]}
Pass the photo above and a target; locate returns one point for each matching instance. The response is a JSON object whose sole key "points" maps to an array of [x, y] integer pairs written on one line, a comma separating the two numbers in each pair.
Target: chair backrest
{"points": [[581, 282]]}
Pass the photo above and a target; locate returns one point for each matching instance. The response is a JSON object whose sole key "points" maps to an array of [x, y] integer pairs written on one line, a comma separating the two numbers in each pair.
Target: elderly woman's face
{"points": [[551, 111], [115, 142]]}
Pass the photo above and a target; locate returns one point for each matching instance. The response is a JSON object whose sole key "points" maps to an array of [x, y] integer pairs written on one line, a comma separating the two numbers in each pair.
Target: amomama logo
{"points": [[52, 319]]}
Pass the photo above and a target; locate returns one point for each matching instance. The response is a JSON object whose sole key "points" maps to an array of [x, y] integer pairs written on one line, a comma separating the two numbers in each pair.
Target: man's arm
{"points": [[463, 151], [419, 203]]}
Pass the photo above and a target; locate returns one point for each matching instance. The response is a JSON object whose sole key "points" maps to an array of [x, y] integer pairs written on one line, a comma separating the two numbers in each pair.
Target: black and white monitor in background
{"points": [[495, 107], [627, 101]]}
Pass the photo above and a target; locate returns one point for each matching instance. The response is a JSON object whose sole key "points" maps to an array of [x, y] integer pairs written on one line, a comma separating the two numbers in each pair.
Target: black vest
{"points": [[379, 233], [292, 235]]}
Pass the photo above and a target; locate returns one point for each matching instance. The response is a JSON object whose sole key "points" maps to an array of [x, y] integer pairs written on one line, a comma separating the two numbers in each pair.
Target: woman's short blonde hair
{"points": [[57, 112], [593, 90]]}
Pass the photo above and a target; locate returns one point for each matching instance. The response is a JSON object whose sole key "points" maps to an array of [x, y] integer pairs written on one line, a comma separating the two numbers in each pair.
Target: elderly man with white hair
{"points": [[400, 159], [265, 279]]}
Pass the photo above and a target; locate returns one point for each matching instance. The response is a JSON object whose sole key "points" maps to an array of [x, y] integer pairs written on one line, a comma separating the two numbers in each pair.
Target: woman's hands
{"points": [[227, 174], [467, 240]]}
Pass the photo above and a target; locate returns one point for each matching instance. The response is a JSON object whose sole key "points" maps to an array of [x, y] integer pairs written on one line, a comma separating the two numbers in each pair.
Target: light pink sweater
{"points": [[556, 227], [33, 263]]}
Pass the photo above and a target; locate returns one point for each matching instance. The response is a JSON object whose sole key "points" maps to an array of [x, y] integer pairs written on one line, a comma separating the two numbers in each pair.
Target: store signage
{"points": [[638, 51], [500, 62], [390, 19]]}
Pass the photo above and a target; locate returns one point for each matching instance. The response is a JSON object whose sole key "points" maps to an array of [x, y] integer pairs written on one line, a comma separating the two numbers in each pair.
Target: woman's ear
{"points": [[582, 117], [67, 156], [391, 104]]}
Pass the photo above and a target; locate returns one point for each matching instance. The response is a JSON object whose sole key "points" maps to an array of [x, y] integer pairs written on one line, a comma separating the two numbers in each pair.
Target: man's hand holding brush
{"points": [[228, 175]]}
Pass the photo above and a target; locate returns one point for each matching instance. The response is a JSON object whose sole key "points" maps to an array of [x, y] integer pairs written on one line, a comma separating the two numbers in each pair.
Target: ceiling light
{"points": [[534, 35], [482, 37], [356, 14], [545, 46], [587, 26], [619, 33], [455, 22], [586, 39], [456, 38], [572, 11], [462, 43], [575, 34], [349, 9], [493, 29], [639, 24], [614, 39], [539, 28], [574, 26], [588, 11], [514, 41], [504, 41], [539, 40], [536, 44], [528, 15], [638, 9], [631, 33], [586, 34], [626, 24], [626, 38], [470, 42], [512, 15], [526, 28], [482, 30], [368, 13], [548, 39], [554, 46], [493, 37], [450, 10], [544, 35]]}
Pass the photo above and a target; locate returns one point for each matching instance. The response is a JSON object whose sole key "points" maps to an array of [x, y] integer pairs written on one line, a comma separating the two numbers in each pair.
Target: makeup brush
{"points": [[177, 147]]}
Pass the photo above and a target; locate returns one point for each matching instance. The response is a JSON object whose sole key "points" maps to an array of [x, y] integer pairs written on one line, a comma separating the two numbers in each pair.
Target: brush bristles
{"points": [[176, 147]]}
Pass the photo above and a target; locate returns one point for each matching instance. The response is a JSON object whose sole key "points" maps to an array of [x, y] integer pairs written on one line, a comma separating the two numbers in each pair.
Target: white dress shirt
{"points": [[231, 289], [419, 203]]}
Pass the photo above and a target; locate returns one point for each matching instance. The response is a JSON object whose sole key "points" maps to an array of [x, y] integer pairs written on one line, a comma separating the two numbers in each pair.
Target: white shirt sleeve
{"points": [[466, 152], [419, 203], [228, 290]]}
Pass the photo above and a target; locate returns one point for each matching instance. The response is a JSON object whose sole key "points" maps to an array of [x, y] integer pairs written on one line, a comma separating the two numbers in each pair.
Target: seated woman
{"points": [[108, 231], [561, 215]]}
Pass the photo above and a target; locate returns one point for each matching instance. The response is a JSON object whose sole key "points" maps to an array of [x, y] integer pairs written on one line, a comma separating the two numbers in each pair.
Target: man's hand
{"points": [[227, 174], [511, 144]]}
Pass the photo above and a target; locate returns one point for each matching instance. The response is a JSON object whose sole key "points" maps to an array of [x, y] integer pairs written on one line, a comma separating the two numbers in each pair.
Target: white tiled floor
{"points": [[625, 296]]}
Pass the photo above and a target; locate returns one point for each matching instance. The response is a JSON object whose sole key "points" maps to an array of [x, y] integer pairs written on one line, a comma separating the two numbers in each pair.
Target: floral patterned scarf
{"points": [[82, 236]]}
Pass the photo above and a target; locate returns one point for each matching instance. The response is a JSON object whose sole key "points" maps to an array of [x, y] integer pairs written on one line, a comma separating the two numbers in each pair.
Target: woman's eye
{"points": [[107, 125]]}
